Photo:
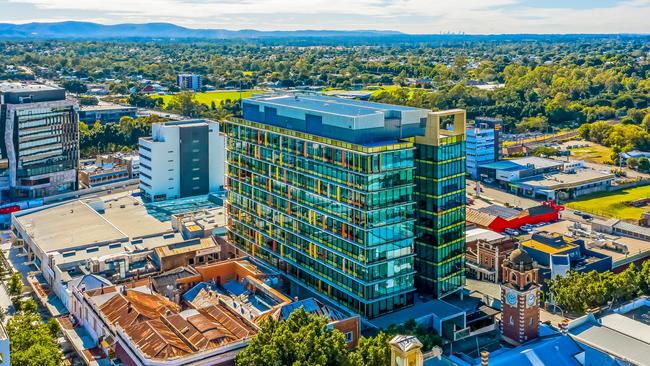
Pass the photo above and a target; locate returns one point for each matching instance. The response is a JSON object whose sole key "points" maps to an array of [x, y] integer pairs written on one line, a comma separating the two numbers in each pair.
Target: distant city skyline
{"points": [[408, 16]]}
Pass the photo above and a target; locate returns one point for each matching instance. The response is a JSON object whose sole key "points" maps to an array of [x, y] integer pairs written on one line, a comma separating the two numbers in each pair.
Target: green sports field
{"points": [[612, 204], [217, 96]]}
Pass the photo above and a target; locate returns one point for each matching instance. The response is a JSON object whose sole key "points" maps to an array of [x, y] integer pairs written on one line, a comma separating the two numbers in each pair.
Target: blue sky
{"points": [[410, 16]]}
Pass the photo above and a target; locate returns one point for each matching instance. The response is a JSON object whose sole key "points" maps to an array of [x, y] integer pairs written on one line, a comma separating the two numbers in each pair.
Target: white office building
{"points": [[182, 159], [480, 145]]}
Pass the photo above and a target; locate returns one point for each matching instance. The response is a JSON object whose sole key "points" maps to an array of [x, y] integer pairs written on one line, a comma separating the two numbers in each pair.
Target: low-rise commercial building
{"points": [[506, 172], [106, 113], [182, 159], [623, 250], [114, 236], [556, 254], [143, 328], [499, 218], [96, 175], [546, 178], [566, 185], [130, 160], [197, 251], [486, 251]]}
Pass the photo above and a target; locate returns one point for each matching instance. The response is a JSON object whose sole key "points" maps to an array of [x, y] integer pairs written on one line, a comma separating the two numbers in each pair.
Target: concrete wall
{"points": [[217, 153]]}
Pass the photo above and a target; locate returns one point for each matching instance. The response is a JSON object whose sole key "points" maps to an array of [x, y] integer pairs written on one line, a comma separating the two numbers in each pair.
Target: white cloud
{"points": [[413, 16]]}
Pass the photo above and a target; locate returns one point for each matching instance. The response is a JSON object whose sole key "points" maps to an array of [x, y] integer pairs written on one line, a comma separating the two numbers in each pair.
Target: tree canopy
{"points": [[305, 340], [577, 292], [32, 342]]}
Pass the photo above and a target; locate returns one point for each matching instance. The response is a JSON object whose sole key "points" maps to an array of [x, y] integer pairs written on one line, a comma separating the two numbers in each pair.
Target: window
{"points": [[348, 337]]}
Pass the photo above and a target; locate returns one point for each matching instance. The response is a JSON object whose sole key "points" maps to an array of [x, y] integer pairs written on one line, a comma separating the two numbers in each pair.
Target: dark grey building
{"points": [[106, 114], [39, 141]]}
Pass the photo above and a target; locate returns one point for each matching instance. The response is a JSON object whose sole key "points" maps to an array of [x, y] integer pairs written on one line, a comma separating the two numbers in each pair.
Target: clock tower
{"points": [[519, 298]]}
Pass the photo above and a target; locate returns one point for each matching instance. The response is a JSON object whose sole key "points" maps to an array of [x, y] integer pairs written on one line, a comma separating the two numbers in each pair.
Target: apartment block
{"points": [[189, 81], [182, 159], [342, 196], [39, 141]]}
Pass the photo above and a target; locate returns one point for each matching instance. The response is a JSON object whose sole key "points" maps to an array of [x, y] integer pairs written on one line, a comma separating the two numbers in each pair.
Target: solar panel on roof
{"points": [[501, 211]]}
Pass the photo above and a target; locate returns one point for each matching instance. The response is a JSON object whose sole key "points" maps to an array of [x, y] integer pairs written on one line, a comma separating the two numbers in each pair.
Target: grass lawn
{"points": [[594, 153], [216, 96], [611, 204]]}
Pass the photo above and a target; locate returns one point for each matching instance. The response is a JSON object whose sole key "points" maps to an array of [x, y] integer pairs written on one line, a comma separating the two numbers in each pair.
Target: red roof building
{"points": [[498, 218]]}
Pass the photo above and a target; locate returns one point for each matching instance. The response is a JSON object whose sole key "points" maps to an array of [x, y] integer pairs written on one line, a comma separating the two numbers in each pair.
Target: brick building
{"points": [[486, 250]]}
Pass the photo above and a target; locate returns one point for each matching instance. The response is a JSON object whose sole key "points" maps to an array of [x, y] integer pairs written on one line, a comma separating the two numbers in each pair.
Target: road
{"points": [[500, 196]]}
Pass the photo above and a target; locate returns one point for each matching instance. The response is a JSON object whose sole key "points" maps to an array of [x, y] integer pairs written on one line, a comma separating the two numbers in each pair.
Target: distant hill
{"points": [[87, 30]]}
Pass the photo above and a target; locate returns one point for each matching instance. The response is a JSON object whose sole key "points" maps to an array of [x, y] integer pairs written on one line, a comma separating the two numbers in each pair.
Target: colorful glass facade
{"points": [[342, 218], [337, 217]]}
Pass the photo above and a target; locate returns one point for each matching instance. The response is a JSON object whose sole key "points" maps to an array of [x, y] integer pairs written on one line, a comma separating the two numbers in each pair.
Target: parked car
{"points": [[511, 232], [526, 228]]}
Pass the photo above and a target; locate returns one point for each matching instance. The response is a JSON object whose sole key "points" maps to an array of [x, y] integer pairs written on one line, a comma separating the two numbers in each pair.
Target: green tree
{"points": [[75, 86], [32, 342], [615, 156], [372, 351], [528, 124], [15, 284], [632, 163], [644, 164], [126, 125], [28, 305], [185, 104], [545, 151], [303, 339], [426, 335]]}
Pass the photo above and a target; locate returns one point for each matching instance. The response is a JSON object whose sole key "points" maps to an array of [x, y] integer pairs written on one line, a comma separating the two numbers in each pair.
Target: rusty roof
{"points": [[479, 218], [157, 340], [160, 330], [136, 307], [232, 321]]}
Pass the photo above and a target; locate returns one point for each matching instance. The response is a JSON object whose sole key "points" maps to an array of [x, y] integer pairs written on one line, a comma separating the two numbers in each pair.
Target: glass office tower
{"points": [[440, 212], [39, 141], [323, 189]]}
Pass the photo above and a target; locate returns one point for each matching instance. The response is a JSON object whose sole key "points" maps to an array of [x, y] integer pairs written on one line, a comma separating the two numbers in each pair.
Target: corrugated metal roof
{"points": [[479, 218], [500, 211]]}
